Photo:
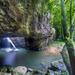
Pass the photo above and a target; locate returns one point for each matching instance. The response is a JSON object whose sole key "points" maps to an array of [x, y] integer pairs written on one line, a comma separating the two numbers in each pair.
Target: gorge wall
{"points": [[14, 21]]}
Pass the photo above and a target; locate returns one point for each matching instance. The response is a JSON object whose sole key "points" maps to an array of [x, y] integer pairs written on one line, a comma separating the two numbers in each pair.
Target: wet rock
{"points": [[20, 69], [19, 42], [30, 70], [41, 31], [1, 73]]}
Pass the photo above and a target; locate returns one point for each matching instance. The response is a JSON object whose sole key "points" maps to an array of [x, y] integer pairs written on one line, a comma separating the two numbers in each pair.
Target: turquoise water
{"points": [[32, 59]]}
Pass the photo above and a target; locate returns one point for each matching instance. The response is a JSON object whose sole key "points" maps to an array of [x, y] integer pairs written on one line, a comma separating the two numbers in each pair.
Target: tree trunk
{"points": [[71, 51], [68, 42], [71, 19]]}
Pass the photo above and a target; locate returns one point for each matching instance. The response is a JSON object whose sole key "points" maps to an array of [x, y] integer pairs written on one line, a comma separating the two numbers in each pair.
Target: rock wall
{"points": [[10, 16], [41, 32], [38, 27], [19, 42]]}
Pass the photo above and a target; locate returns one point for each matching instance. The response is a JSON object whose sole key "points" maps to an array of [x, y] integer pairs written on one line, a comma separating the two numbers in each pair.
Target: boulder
{"points": [[20, 69]]}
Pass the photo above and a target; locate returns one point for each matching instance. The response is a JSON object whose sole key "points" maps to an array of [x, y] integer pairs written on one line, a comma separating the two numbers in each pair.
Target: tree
{"points": [[68, 41]]}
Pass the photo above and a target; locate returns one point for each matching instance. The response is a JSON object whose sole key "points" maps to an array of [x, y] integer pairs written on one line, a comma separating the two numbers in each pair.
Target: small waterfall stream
{"points": [[13, 45], [9, 57], [10, 41]]}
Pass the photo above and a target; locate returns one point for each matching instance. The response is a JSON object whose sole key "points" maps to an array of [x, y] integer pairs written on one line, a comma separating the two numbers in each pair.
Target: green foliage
{"points": [[28, 7], [10, 16], [54, 6]]}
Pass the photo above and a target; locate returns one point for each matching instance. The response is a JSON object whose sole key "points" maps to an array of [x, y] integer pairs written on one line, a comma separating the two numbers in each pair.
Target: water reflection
{"points": [[27, 58], [9, 58]]}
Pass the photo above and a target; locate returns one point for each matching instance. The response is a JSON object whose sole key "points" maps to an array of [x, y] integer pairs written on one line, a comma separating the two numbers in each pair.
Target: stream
{"points": [[23, 57]]}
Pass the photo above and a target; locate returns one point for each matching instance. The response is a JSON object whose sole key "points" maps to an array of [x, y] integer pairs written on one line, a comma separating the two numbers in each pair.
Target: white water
{"points": [[14, 47], [9, 40]]}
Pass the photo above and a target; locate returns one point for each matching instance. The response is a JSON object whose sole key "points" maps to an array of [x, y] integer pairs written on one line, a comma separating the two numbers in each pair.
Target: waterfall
{"points": [[13, 45], [10, 41], [10, 56]]}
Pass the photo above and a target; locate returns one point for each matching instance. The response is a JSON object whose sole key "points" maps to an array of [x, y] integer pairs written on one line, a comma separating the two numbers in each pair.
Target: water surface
{"points": [[23, 57]]}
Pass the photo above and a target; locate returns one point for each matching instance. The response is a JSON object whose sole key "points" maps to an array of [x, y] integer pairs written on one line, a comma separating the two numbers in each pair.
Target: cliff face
{"points": [[35, 25], [10, 16], [41, 31]]}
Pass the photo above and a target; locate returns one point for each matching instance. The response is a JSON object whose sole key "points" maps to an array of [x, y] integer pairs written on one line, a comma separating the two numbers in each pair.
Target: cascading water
{"points": [[8, 48], [9, 40], [13, 45], [9, 57]]}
